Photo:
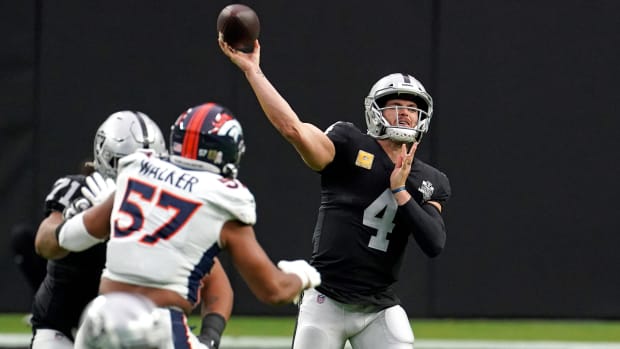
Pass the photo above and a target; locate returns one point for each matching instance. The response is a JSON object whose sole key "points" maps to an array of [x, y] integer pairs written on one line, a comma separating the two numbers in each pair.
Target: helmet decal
{"points": [[220, 121], [210, 136]]}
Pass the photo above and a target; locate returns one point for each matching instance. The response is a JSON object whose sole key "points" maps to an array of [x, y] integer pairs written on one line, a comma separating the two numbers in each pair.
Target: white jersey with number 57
{"points": [[166, 223]]}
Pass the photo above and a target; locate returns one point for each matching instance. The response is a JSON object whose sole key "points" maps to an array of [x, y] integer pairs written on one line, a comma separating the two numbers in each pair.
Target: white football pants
{"points": [[51, 339], [327, 324]]}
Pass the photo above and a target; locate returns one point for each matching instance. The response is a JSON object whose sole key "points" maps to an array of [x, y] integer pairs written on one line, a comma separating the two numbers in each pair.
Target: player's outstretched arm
{"points": [[268, 283], [315, 148]]}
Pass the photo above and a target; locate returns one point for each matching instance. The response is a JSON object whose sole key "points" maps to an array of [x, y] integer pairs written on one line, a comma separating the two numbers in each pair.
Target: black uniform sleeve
{"points": [[340, 133], [426, 224], [65, 190]]}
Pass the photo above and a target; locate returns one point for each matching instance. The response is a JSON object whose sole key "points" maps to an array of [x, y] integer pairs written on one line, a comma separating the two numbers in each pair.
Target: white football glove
{"points": [[98, 189], [76, 206], [309, 276]]}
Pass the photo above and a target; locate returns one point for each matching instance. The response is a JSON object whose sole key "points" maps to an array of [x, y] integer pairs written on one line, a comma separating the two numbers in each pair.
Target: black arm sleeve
{"points": [[213, 325], [426, 223]]}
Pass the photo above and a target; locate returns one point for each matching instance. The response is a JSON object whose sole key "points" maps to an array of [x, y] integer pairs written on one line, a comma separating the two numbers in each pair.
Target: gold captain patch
{"points": [[364, 159]]}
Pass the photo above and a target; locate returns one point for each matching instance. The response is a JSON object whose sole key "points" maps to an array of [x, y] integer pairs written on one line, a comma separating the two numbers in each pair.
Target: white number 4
{"points": [[384, 224]]}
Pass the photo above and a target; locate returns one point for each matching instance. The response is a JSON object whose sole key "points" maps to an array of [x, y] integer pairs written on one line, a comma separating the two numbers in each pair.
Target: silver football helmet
{"points": [[121, 134], [123, 321], [397, 86]]}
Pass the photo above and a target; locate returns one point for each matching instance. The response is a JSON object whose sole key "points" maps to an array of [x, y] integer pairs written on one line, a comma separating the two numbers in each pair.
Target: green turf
{"points": [[558, 330]]}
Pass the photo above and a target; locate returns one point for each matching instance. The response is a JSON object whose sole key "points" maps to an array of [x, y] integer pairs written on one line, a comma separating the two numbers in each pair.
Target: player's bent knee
{"points": [[310, 337], [398, 324], [50, 339]]}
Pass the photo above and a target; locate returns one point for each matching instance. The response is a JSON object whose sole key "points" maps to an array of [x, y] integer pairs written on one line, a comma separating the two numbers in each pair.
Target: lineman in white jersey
{"points": [[169, 219], [174, 225]]}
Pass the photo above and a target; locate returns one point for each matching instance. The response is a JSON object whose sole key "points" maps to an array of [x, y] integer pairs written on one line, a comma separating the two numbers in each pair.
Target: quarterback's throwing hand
{"points": [[97, 188]]}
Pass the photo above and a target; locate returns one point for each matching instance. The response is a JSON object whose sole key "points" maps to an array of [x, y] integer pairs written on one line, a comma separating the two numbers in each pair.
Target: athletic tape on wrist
{"points": [[73, 236], [213, 325]]}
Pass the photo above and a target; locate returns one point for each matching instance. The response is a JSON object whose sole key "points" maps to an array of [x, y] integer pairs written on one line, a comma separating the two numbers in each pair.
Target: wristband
{"points": [[213, 325], [73, 236], [396, 190]]}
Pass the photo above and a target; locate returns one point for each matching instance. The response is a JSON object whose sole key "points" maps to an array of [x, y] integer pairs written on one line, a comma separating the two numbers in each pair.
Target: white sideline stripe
{"points": [[278, 342], [14, 340], [23, 340], [473, 344]]}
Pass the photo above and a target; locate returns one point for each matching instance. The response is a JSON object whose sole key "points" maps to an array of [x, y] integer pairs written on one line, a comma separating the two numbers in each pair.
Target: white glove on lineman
{"points": [[76, 206], [98, 189], [309, 276]]}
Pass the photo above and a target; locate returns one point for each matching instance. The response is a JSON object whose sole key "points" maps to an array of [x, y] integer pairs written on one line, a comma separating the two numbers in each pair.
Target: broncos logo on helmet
{"points": [[207, 137]]}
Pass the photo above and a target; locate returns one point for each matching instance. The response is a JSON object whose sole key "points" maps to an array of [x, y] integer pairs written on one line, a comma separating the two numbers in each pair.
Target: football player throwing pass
{"points": [[375, 194]]}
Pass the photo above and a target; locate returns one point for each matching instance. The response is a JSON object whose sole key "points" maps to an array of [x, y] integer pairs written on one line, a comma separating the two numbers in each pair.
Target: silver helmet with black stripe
{"points": [[122, 133], [397, 86], [121, 320]]}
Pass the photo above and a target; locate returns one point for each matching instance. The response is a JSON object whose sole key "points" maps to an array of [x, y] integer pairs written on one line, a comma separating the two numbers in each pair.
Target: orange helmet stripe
{"points": [[192, 132]]}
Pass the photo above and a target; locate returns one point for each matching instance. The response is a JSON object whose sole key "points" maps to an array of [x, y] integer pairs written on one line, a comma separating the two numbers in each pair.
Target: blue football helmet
{"points": [[209, 138]]}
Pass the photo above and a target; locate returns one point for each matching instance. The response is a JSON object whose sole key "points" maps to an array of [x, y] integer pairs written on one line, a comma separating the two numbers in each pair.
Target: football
{"points": [[239, 26]]}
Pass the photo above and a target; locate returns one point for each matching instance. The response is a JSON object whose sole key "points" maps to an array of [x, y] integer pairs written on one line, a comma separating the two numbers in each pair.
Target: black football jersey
{"points": [[358, 243], [71, 282]]}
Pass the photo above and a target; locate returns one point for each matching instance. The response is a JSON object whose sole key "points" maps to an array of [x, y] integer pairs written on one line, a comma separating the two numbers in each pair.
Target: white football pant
{"points": [[327, 324], [50, 339]]}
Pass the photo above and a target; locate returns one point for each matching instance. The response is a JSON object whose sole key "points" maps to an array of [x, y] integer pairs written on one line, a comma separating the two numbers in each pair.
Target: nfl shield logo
{"points": [[177, 147], [320, 299]]}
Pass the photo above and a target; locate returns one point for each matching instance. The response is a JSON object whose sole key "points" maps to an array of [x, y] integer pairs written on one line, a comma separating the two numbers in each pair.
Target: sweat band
{"points": [[213, 325], [399, 189], [73, 236]]}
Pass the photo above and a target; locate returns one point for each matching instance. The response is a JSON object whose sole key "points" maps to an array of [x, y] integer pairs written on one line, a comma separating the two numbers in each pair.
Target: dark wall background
{"points": [[526, 127]]}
